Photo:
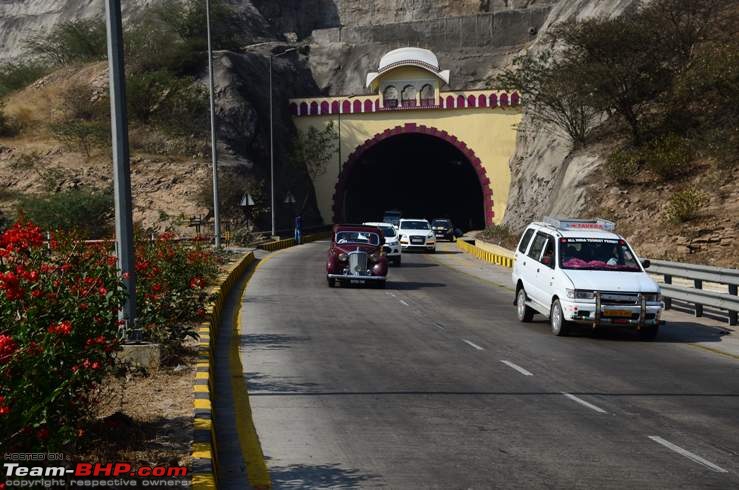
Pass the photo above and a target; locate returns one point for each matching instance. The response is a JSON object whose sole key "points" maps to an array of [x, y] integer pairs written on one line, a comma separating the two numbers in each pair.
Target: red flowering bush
{"points": [[58, 335], [171, 279]]}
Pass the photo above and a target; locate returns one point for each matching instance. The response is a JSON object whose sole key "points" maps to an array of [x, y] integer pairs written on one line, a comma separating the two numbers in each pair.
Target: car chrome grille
{"points": [[619, 298], [357, 262]]}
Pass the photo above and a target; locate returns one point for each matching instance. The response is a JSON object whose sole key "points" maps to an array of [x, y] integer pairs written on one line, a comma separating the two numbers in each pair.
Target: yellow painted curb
{"points": [[485, 255]]}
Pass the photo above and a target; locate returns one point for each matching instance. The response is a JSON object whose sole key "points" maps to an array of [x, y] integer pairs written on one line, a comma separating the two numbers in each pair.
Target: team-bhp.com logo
{"points": [[111, 475]]}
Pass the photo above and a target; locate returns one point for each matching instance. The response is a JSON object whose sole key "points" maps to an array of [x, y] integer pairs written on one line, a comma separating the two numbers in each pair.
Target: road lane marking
{"points": [[406, 304], [472, 344], [583, 402], [439, 326], [688, 454], [517, 368]]}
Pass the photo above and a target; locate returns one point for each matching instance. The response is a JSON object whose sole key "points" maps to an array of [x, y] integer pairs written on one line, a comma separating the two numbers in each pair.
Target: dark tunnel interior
{"points": [[420, 175]]}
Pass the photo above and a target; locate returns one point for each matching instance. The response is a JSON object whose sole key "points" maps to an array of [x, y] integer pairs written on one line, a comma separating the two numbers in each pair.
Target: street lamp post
{"points": [[272, 143], [213, 149], [121, 164]]}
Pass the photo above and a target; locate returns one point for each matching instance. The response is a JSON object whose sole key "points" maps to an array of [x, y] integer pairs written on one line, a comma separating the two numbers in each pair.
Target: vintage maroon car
{"points": [[356, 256]]}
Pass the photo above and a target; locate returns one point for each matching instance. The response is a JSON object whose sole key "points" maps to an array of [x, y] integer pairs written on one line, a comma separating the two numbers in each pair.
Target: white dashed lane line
{"points": [[439, 326], [518, 368], [584, 403], [472, 344], [403, 302], [688, 454]]}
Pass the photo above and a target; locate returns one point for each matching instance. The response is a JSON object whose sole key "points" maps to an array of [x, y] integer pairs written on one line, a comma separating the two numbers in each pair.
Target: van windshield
{"points": [[596, 254]]}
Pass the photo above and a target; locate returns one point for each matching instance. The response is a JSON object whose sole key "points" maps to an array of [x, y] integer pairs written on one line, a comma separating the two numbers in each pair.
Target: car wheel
{"points": [[649, 333], [331, 282], [525, 313], [560, 327]]}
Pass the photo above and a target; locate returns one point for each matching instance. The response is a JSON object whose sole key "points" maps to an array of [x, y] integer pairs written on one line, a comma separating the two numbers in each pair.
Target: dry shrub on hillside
{"points": [[685, 205]]}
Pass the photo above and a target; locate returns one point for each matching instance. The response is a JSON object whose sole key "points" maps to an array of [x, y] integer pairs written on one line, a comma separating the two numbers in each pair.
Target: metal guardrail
{"points": [[696, 295]]}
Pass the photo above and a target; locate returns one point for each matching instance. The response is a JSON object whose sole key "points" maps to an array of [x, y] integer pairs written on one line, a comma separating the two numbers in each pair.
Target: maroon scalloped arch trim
{"points": [[412, 128]]}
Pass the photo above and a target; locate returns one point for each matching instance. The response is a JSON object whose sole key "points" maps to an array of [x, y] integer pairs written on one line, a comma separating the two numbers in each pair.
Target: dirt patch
{"points": [[145, 419]]}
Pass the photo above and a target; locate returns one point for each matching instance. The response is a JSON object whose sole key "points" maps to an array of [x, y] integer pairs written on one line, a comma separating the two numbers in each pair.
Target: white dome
{"points": [[410, 56]]}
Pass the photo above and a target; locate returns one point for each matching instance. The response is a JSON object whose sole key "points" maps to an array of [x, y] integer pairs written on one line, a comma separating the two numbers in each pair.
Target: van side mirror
{"points": [[646, 263]]}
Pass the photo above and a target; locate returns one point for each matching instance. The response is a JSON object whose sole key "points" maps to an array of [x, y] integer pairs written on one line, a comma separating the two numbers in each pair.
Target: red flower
{"points": [[37, 293], [4, 409], [61, 328], [95, 365], [7, 347], [83, 306], [42, 434], [21, 237], [156, 287], [102, 291], [197, 283]]}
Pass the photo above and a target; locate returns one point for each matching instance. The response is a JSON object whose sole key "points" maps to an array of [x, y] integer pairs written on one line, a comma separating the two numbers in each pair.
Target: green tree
{"points": [[84, 211], [311, 150], [70, 42], [552, 93]]}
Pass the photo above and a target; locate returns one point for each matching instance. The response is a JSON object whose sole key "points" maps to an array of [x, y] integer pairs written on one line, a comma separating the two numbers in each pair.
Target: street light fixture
{"points": [[272, 142], [213, 150]]}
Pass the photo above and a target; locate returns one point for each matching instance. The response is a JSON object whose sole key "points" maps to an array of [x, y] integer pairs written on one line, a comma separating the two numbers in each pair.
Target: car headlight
{"points": [[580, 294], [343, 257], [652, 297], [430, 235]]}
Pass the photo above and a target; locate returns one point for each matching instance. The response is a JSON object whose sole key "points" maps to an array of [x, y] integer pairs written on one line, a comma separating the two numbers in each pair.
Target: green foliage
{"points": [[231, 188], [86, 212], [313, 148], [623, 166], [552, 93], [69, 42], [188, 20], [82, 136], [685, 205], [668, 157], [15, 76]]}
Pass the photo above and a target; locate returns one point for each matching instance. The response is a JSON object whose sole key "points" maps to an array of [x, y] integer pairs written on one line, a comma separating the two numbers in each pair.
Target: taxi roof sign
{"points": [[580, 224]]}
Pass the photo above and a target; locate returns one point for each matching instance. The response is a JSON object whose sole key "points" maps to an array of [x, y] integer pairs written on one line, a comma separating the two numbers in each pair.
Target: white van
{"points": [[574, 270]]}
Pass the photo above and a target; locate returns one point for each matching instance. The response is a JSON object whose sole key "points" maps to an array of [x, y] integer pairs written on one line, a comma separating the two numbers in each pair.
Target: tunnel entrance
{"points": [[421, 175]]}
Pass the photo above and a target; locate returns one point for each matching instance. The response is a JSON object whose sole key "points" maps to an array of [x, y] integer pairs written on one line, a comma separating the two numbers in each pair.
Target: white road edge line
{"points": [[688, 454], [403, 302], [583, 402], [518, 368], [472, 344]]}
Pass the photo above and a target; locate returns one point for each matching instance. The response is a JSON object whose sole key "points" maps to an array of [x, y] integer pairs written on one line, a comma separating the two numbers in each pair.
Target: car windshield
{"points": [[596, 254], [414, 225], [363, 237], [388, 231], [442, 222]]}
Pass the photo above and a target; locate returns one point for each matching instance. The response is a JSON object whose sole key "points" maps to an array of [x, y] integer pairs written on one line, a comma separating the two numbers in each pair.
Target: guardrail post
{"points": [[668, 301], [733, 320], [698, 284]]}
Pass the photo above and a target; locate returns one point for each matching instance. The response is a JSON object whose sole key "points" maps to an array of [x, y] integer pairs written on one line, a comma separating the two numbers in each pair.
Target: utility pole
{"points": [[213, 149], [272, 142], [121, 165]]}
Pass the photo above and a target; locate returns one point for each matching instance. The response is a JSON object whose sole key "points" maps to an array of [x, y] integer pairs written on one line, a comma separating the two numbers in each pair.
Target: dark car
{"points": [[443, 228], [356, 256]]}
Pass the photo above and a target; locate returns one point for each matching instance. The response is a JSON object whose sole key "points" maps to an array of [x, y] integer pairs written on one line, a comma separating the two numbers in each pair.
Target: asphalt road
{"points": [[432, 383]]}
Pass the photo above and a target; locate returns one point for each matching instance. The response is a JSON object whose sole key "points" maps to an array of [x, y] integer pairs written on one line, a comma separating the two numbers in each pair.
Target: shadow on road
{"points": [[302, 476], [257, 382], [269, 341], [415, 265], [671, 332]]}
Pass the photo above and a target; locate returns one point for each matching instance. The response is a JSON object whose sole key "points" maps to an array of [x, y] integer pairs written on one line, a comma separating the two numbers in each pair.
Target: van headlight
{"points": [[652, 297], [580, 294]]}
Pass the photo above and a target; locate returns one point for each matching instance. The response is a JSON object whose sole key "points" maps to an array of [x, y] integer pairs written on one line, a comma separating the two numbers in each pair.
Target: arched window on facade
{"points": [[427, 96], [390, 97], [408, 96]]}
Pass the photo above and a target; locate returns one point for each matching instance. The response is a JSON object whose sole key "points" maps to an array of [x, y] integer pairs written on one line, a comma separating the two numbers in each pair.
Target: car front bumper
{"points": [[356, 277], [428, 244], [625, 315]]}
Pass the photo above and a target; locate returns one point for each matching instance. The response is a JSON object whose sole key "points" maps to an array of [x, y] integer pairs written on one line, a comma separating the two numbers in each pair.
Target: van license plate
{"points": [[621, 313]]}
